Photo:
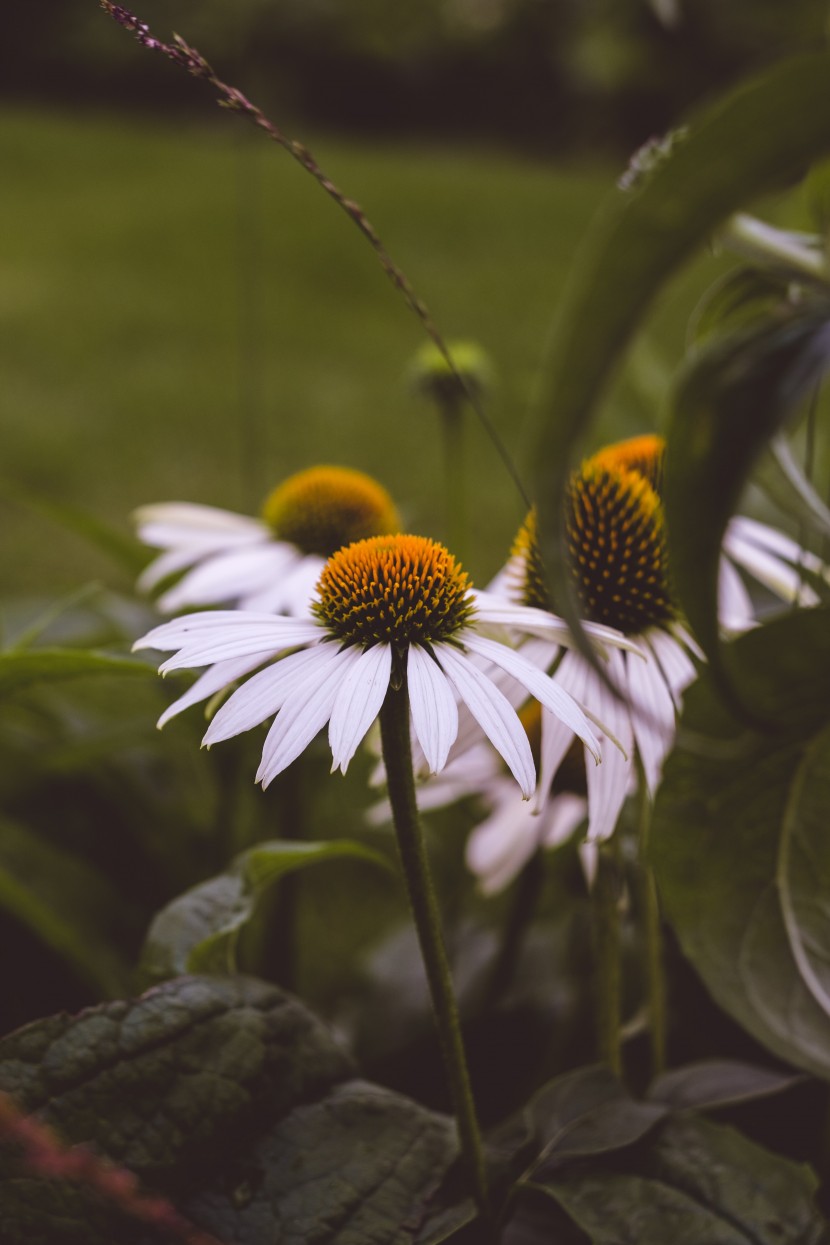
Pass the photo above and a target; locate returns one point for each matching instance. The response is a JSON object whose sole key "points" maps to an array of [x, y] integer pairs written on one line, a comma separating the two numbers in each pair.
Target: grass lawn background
{"points": [[185, 315]]}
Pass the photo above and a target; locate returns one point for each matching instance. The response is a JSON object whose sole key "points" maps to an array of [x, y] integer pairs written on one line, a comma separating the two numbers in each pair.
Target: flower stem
{"points": [[608, 974], [397, 758], [655, 967]]}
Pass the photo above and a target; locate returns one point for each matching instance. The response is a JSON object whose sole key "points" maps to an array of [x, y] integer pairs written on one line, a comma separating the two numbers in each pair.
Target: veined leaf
{"points": [[739, 840]]}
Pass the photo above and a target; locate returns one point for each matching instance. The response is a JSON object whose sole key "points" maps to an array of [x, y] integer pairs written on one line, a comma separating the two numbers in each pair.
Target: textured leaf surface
{"points": [[232, 1099], [692, 1182], [762, 134], [197, 932], [739, 839], [23, 669]]}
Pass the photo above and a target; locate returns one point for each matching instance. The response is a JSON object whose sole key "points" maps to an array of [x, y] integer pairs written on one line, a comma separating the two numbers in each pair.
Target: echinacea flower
{"points": [[388, 610], [618, 554], [271, 563]]}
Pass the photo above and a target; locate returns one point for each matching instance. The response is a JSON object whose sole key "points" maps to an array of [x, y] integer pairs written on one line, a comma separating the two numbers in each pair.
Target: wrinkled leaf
{"points": [[23, 669], [717, 1083], [64, 901], [757, 137], [198, 931], [729, 798], [692, 1182], [734, 395], [229, 1097]]}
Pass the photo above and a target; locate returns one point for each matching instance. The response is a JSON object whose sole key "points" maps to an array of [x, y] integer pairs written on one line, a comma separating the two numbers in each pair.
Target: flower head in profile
{"points": [[271, 563], [389, 611], [618, 555]]}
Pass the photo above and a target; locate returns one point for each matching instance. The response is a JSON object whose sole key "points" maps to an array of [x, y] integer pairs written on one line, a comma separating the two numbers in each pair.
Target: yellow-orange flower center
{"points": [[616, 541], [324, 508], [393, 590]]}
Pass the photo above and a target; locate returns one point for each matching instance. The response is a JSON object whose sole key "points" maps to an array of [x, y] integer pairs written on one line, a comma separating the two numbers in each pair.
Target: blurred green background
{"points": [[183, 312]]}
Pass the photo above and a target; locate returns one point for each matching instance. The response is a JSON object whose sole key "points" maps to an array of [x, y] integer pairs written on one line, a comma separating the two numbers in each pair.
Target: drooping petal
{"points": [[168, 523], [735, 612], [168, 563], [358, 703], [265, 693], [434, 711], [208, 684], [772, 558], [500, 846], [565, 814], [608, 784], [540, 685], [292, 594], [303, 714], [494, 714], [675, 662], [652, 716]]}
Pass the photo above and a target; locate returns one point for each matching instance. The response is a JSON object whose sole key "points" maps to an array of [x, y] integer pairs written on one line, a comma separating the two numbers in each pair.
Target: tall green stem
{"points": [[653, 932], [397, 757], [608, 974]]}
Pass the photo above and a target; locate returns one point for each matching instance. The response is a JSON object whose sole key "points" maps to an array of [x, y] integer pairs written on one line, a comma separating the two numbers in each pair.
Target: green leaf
{"points": [[198, 931], [736, 300], [126, 550], [692, 1182], [19, 670], [753, 140], [714, 1083], [738, 844], [783, 480], [63, 901], [734, 395], [587, 1112], [233, 1100]]}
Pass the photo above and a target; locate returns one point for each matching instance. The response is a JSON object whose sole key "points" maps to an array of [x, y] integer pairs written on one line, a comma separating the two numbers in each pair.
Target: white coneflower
{"points": [[270, 563], [389, 609]]}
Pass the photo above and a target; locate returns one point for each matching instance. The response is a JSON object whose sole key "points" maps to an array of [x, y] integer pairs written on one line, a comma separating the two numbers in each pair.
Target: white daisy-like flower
{"points": [[388, 611], [618, 554], [270, 563]]}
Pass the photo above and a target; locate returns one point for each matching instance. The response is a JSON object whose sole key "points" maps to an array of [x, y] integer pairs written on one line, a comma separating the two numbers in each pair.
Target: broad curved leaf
{"points": [[737, 840], [765, 132], [197, 931]]}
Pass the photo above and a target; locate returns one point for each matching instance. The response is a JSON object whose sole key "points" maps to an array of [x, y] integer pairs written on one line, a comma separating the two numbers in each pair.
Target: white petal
{"points": [[493, 713], [501, 845], [652, 716], [609, 783], [774, 569], [358, 703], [434, 711], [167, 564], [540, 685], [293, 593], [226, 576], [208, 684], [735, 612], [495, 611], [303, 714], [675, 662], [203, 639], [179, 521], [262, 695], [566, 813]]}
